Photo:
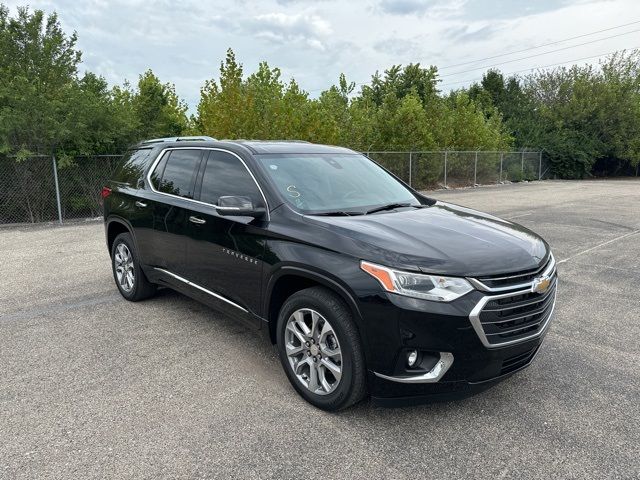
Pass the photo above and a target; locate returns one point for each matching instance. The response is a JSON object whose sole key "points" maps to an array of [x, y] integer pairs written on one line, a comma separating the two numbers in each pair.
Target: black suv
{"points": [[365, 285]]}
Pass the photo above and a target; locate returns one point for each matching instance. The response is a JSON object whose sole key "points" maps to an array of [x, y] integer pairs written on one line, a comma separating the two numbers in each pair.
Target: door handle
{"points": [[197, 220], [140, 204]]}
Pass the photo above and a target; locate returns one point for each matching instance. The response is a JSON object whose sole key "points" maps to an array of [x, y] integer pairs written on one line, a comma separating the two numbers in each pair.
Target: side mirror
{"points": [[238, 206]]}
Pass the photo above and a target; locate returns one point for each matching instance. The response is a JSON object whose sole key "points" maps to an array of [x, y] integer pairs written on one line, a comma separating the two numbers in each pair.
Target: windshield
{"points": [[327, 183]]}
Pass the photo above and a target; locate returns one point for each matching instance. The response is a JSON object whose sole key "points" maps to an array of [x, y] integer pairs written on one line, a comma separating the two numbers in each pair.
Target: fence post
{"points": [[445, 168], [410, 163], [540, 165], [475, 171], [501, 159], [522, 167], [55, 177]]}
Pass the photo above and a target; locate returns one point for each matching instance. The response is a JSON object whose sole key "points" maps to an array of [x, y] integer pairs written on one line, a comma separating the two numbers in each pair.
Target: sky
{"points": [[314, 41]]}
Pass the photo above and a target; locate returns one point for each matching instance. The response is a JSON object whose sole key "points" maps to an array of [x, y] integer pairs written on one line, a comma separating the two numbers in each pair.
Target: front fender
{"points": [[319, 276]]}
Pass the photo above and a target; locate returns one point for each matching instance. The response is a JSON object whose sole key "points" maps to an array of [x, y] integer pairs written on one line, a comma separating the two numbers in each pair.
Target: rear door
{"points": [[173, 180], [225, 254]]}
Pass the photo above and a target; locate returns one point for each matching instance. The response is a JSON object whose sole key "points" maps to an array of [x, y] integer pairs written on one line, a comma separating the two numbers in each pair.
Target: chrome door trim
{"points": [[195, 285], [154, 164], [432, 376]]}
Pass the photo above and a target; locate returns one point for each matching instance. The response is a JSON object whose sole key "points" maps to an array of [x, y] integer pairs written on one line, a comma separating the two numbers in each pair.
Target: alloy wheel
{"points": [[313, 351], [123, 263]]}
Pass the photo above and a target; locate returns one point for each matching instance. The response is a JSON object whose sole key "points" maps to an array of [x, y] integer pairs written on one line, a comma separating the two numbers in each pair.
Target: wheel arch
{"points": [[291, 279], [116, 226]]}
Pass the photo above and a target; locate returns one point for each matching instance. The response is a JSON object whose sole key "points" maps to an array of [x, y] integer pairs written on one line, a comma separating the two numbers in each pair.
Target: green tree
{"points": [[38, 69], [402, 124], [586, 119], [264, 113], [158, 110], [412, 79], [222, 108]]}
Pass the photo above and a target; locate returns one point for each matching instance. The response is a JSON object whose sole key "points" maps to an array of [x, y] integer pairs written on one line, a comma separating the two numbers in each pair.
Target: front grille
{"points": [[512, 364], [516, 316], [518, 278]]}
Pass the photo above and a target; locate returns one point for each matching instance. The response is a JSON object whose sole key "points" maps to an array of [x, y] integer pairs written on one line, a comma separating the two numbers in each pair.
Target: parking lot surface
{"points": [[92, 386]]}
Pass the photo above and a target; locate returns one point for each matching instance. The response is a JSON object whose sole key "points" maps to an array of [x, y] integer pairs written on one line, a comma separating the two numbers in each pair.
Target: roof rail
{"points": [[200, 138], [264, 141]]}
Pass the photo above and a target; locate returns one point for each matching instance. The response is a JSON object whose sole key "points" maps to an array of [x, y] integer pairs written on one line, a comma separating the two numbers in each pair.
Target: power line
{"points": [[540, 67], [359, 84], [539, 54], [538, 46]]}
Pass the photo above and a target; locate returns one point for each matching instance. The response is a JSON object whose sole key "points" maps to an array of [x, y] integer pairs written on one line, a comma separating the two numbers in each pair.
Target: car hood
{"points": [[443, 238]]}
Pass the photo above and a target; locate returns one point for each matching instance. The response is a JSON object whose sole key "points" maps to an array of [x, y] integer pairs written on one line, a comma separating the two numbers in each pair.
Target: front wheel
{"points": [[320, 350]]}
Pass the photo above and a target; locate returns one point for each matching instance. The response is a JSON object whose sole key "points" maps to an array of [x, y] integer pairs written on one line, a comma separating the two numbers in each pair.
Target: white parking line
{"points": [[635, 232]]}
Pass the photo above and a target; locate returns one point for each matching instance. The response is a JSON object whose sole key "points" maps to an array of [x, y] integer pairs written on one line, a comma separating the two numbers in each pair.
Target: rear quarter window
{"points": [[132, 167]]}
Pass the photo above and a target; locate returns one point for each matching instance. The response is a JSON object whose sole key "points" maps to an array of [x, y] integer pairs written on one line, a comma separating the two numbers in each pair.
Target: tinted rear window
{"points": [[177, 177]]}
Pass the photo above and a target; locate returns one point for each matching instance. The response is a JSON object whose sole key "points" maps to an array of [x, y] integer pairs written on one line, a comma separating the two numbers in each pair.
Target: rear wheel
{"points": [[319, 348], [127, 272]]}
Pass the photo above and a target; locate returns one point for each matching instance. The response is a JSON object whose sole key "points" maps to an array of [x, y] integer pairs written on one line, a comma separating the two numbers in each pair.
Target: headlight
{"points": [[417, 285]]}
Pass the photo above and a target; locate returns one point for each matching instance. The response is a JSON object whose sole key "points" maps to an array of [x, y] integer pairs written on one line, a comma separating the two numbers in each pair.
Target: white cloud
{"points": [[314, 41], [293, 28], [300, 29], [434, 8], [405, 7]]}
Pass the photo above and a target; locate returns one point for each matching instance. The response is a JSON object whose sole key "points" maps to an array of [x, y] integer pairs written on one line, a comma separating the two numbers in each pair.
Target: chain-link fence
{"points": [[46, 189], [444, 169]]}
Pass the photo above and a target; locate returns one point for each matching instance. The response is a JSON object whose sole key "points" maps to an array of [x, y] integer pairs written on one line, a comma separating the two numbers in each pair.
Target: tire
{"points": [[136, 288], [319, 306]]}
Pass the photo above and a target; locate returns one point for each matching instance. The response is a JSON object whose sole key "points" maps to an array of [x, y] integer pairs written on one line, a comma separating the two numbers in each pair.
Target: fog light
{"points": [[412, 358]]}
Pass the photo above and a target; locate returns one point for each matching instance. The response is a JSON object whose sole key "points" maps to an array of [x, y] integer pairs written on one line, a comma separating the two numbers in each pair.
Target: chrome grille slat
{"points": [[515, 329], [533, 308], [490, 284], [518, 305], [535, 318], [530, 322], [539, 311]]}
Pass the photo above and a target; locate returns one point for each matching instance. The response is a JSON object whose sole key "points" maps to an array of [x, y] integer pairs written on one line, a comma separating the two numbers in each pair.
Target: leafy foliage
{"points": [[400, 110], [38, 68], [580, 116], [46, 107], [586, 119]]}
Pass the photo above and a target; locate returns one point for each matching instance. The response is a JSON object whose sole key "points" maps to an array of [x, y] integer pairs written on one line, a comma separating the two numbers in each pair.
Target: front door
{"points": [[225, 254]]}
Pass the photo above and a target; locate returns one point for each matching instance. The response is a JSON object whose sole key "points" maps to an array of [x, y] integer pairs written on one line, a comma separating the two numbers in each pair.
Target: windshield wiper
{"points": [[338, 213], [391, 206]]}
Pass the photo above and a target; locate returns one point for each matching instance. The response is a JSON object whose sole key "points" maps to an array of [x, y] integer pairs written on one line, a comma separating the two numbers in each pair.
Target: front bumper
{"points": [[459, 360], [499, 366]]}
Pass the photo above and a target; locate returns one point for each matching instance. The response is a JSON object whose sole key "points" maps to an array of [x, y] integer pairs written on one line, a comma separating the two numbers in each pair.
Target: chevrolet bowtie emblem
{"points": [[541, 284]]}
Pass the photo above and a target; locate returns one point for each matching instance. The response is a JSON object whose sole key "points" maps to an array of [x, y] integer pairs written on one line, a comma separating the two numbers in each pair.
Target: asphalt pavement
{"points": [[92, 386]]}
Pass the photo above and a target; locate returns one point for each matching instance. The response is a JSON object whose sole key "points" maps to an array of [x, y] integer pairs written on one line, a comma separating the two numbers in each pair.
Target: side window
{"points": [[175, 172], [226, 175], [156, 175], [131, 166]]}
